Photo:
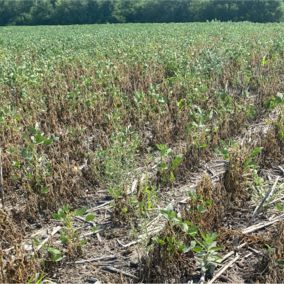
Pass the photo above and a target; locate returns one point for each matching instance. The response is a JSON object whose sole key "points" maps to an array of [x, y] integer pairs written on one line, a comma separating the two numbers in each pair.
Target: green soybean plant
{"points": [[206, 251], [69, 234], [115, 165], [172, 241], [166, 170], [199, 205], [36, 166], [226, 149], [53, 255]]}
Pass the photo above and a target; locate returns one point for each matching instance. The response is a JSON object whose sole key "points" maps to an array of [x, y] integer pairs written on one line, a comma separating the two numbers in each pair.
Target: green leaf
{"points": [[192, 245], [267, 104], [24, 153], [186, 249], [212, 237], [164, 213], [81, 211], [225, 145], [54, 251], [36, 242], [57, 257], [38, 139], [281, 262], [278, 207], [44, 190], [16, 164], [202, 234], [32, 130], [54, 139], [48, 141], [208, 203], [169, 152], [56, 216], [184, 227], [252, 164], [210, 116], [63, 238], [61, 213], [30, 281], [255, 151], [95, 228], [10, 150], [198, 249], [65, 208], [170, 207], [192, 231], [217, 150], [90, 218], [201, 208], [216, 248], [162, 166], [232, 143]]}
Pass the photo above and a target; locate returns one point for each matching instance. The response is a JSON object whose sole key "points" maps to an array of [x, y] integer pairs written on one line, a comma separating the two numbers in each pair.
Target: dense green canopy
{"points": [[67, 12]]}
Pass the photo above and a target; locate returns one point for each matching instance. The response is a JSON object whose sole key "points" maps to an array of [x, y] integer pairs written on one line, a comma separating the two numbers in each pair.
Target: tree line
{"points": [[68, 12]]}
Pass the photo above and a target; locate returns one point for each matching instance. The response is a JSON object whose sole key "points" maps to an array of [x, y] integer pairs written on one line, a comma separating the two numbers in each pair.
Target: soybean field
{"points": [[142, 153]]}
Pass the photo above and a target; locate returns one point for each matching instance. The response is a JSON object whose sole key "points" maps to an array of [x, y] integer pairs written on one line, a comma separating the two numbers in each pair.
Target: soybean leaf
{"points": [[201, 208], [16, 164], [44, 190], [57, 257], [95, 228], [216, 248], [81, 211], [48, 141], [53, 250], [198, 249], [24, 153], [65, 208], [56, 216], [32, 130], [278, 207], [192, 231], [90, 218], [170, 207], [208, 203], [184, 227]]}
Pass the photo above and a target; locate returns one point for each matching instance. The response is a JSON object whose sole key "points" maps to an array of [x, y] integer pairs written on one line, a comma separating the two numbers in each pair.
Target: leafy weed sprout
{"points": [[69, 235], [115, 164], [39, 279]]}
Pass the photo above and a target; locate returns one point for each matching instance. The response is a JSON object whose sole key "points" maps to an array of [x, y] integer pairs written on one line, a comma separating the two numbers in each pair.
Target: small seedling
{"points": [[280, 207], [174, 244], [69, 234], [273, 102], [198, 206], [226, 149], [39, 279], [53, 254]]}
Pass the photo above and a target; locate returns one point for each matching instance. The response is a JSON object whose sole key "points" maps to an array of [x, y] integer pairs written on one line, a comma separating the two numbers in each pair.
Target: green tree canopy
{"points": [[68, 12]]}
